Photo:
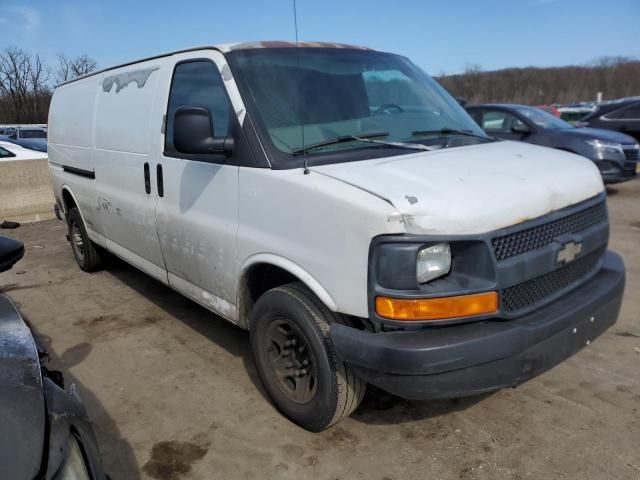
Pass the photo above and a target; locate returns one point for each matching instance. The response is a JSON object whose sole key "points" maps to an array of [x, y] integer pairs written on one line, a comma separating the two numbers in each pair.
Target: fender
{"points": [[93, 235], [295, 270], [66, 188]]}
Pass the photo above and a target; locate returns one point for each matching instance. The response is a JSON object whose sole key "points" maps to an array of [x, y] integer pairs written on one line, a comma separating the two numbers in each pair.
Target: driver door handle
{"points": [[159, 180], [147, 179]]}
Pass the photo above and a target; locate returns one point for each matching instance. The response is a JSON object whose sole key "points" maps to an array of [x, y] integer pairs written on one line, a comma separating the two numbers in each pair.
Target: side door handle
{"points": [[160, 180], [147, 179]]}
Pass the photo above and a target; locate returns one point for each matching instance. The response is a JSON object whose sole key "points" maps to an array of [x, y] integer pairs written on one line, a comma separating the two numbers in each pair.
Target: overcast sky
{"points": [[440, 36]]}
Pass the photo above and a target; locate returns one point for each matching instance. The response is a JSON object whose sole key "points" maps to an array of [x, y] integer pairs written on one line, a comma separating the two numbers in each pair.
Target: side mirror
{"points": [[193, 133], [520, 128], [462, 101], [10, 252]]}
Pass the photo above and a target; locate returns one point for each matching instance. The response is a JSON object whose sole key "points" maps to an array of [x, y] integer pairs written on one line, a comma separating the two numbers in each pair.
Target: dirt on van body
{"points": [[173, 392]]}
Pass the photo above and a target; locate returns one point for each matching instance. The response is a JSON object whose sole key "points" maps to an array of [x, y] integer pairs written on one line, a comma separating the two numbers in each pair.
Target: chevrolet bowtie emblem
{"points": [[569, 252]]}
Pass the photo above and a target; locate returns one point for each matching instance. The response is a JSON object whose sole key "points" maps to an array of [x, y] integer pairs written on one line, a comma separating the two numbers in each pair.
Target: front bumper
{"points": [[474, 358], [615, 172]]}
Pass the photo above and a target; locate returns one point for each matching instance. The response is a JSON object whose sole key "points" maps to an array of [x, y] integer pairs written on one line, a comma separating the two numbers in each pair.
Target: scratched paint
{"points": [[225, 72], [122, 80], [284, 44]]}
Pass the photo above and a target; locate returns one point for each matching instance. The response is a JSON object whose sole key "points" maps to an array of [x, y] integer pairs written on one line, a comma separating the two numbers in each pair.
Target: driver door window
{"points": [[198, 84]]}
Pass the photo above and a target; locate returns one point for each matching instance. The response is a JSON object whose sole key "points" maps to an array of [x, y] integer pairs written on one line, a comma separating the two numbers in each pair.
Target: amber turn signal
{"points": [[437, 308]]}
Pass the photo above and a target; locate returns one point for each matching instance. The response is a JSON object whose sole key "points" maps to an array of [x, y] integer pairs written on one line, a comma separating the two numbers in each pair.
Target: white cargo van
{"points": [[340, 205]]}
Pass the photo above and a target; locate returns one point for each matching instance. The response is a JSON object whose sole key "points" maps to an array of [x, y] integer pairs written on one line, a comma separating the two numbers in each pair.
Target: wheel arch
{"points": [[69, 200], [264, 271]]}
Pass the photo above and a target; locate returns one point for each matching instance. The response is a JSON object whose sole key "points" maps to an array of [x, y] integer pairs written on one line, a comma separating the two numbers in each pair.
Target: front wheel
{"points": [[296, 360]]}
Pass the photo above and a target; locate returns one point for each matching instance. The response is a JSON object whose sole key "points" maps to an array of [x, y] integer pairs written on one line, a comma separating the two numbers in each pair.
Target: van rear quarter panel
{"points": [[70, 131]]}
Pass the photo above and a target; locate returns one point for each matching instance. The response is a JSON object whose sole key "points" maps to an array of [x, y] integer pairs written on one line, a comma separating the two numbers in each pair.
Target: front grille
{"points": [[632, 154], [533, 238], [537, 289]]}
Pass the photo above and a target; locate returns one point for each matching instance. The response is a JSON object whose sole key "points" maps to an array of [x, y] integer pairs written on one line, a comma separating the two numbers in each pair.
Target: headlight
{"points": [[74, 467], [433, 262], [601, 146]]}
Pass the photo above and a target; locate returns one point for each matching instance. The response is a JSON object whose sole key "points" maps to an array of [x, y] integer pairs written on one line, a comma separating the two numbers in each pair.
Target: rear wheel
{"points": [[84, 250], [296, 360]]}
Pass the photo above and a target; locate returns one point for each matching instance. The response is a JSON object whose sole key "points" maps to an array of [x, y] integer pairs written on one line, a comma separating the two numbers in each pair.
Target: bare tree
{"points": [[38, 79], [24, 86], [15, 80], [63, 69], [82, 65], [69, 68]]}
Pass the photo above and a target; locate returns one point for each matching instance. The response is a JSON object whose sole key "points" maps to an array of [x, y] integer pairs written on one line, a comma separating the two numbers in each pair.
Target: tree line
{"points": [[27, 83], [615, 77]]}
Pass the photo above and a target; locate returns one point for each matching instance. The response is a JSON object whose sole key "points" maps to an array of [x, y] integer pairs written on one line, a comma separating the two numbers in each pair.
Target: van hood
{"points": [[473, 189]]}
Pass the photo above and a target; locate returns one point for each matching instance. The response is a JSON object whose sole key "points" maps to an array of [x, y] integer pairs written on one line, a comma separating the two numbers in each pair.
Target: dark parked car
{"points": [[615, 154], [44, 429], [29, 137], [621, 116]]}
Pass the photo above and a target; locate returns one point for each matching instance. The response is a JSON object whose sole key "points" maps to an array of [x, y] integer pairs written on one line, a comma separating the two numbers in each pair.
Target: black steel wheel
{"points": [[84, 250], [292, 362], [296, 361]]}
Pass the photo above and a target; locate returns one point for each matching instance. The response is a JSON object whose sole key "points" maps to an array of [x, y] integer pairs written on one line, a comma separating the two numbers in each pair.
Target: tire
{"points": [[84, 250], [304, 378]]}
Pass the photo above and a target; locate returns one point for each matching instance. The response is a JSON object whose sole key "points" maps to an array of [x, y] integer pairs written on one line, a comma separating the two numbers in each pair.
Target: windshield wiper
{"points": [[337, 140], [452, 131], [365, 138]]}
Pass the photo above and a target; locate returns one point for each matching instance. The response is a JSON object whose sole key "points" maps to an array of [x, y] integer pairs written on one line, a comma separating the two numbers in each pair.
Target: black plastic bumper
{"points": [[473, 358], [619, 174], [611, 178]]}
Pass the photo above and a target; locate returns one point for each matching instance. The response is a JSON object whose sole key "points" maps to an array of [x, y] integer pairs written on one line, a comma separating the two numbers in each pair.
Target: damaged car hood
{"points": [[473, 189], [22, 409]]}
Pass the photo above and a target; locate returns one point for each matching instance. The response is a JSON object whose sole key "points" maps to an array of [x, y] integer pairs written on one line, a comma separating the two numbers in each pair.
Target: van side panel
{"points": [[70, 146], [125, 101], [123, 132], [70, 124]]}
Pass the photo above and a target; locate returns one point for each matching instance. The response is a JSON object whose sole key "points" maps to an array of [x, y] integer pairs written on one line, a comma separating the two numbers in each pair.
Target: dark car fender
{"points": [[22, 409], [67, 416], [37, 415]]}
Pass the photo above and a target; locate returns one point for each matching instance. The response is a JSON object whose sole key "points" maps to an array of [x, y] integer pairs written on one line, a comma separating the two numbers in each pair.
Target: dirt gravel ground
{"points": [[173, 392]]}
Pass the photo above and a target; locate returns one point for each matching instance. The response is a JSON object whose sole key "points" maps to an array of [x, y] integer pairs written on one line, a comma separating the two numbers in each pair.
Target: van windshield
{"points": [[312, 96]]}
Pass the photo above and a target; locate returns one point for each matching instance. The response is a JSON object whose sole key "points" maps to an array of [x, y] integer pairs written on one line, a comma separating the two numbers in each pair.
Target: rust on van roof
{"points": [[285, 44]]}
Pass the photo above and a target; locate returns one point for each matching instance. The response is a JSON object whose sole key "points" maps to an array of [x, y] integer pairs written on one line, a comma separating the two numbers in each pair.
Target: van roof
{"points": [[284, 44], [225, 48]]}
